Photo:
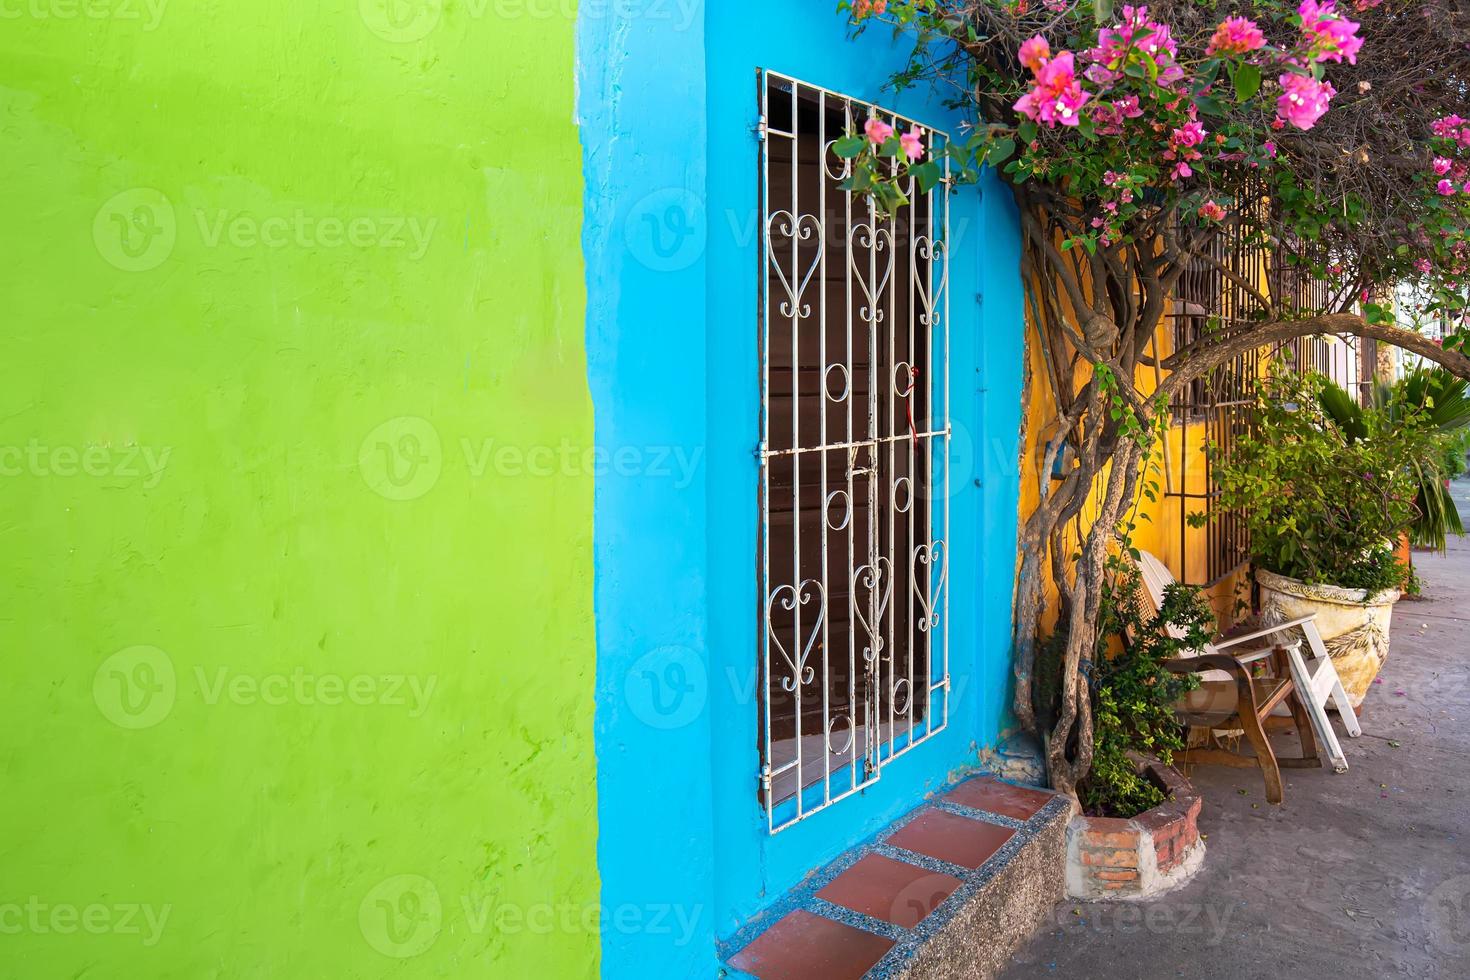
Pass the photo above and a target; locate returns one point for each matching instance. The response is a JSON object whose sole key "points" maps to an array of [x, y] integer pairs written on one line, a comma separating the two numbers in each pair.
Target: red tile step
{"points": [[803, 946], [890, 890], [994, 796], [877, 909], [951, 837]]}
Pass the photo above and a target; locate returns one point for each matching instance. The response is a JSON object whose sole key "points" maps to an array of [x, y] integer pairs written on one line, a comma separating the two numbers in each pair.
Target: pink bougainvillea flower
{"points": [[1303, 100], [913, 143], [1180, 171], [1135, 33], [1057, 97], [878, 131], [1423, 265], [1212, 211], [1332, 36], [1442, 165], [1270, 148], [1190, 134], [1236, 35], [1446, 187], [1035, 53], [1447, 127]]}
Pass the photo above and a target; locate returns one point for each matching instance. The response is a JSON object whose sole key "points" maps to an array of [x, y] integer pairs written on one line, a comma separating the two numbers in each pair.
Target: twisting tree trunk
{"points": [[1094, 318]]}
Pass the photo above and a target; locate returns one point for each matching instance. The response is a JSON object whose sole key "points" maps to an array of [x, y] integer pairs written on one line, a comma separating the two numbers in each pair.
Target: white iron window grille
{"points": [[855, 439]]}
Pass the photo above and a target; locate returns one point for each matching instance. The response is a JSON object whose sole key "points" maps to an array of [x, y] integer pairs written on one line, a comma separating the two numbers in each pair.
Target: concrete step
{"points": [[950, 890]]}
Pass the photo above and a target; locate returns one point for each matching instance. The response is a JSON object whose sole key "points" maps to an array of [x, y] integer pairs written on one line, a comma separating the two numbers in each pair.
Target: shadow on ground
{"points": [[1359, 875]]}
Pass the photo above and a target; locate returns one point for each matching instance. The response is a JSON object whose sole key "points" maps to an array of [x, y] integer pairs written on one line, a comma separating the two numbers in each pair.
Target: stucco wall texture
{"points": [[295, 496]]}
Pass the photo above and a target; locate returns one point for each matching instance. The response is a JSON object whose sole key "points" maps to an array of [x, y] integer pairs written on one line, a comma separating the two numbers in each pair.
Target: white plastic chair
{"points": [[1315, 677]]}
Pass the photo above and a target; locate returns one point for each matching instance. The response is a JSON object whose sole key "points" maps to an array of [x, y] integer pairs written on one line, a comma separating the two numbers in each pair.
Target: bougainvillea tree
{"points": [[1323, 134]]}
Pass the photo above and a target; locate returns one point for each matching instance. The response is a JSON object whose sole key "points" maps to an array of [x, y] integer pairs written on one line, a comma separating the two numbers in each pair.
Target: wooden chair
{"points": [[1230, 699]]}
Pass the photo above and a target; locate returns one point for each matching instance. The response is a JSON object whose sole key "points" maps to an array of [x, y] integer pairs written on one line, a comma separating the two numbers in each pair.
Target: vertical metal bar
{"points": [[931, 232], [849, 437], [764, 285], [944, 285], [795, 285], [890, 307], [826, 680], [910, 639]]}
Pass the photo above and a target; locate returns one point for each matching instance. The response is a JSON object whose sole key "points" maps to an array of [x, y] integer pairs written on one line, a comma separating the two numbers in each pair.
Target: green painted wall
{"points": [[294, 522]]}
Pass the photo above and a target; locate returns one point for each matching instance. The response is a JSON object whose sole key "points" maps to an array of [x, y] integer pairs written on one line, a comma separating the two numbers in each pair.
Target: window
{"points": [[855, 435], [1214, 409]]}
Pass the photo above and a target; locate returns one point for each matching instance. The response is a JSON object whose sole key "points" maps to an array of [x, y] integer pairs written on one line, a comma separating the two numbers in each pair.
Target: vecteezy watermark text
{"points": [[136, 230], [406, 21], [146, 12], [402, 917], [40, 918], [137, 688], [301, 229], [36, 458]]}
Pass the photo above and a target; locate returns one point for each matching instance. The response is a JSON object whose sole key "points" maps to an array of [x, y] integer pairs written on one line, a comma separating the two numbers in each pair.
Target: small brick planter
{"points": [[1154, 852]]}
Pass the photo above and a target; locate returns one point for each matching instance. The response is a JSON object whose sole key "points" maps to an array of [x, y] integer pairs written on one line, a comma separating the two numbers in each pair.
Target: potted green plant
{"points": [[1428, 397], [1325, 510]]}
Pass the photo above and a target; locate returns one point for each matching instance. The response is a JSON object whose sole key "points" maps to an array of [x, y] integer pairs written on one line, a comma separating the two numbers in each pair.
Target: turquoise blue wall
{"points": [[667, 110]]}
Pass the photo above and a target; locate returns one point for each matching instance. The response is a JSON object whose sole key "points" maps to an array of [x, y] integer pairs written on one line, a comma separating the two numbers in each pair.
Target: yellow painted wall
{"points": [[1178, 466]]}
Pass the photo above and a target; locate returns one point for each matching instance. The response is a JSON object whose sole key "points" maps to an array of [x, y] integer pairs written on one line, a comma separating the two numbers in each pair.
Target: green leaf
{"points": [[849, 146], [927, 174], [1000, 152], [1209, 105], [1247, 82], [1027, 131]]}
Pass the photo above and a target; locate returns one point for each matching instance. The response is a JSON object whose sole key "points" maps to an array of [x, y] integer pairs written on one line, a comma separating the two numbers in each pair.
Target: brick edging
{"points": [[1111, 857]]}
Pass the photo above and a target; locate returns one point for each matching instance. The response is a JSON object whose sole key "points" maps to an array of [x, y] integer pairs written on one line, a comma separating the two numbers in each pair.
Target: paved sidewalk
{"points": [[1360, 875]]}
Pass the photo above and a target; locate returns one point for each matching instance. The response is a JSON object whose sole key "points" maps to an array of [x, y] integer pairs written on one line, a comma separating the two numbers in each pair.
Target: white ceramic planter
{"points": [[1353, 624]]}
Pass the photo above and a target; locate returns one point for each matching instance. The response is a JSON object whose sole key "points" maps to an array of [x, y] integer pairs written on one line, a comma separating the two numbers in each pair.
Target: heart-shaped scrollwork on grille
{"points": [[786, 226], [789, 597], [873, 281], [927, 256], [934, 558], [877, 581]]}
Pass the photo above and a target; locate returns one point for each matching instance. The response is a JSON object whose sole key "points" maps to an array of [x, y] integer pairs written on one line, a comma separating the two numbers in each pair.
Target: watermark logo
{"points": [[401, 21], [920, 897], [402, 458], [667, 688], [1448, 912], [666, 230], [135, 688], [401, 916], [136, 229]]}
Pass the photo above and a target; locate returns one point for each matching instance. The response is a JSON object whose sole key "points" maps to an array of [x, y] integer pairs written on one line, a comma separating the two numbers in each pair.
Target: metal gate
{"points": [[855, 437]]}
